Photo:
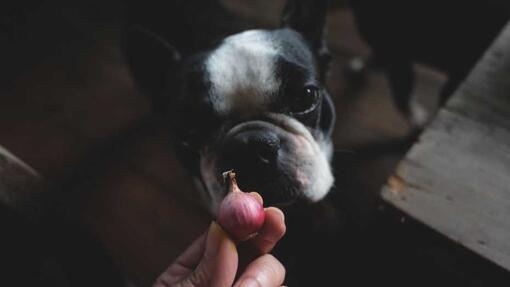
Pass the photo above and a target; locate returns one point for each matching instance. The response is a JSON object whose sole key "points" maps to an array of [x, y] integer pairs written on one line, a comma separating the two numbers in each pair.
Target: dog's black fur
{"points": [[249, 120]]}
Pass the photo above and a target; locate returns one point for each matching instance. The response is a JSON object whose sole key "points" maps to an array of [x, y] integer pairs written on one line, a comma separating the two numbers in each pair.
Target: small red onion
{"points": [[240, 214]]}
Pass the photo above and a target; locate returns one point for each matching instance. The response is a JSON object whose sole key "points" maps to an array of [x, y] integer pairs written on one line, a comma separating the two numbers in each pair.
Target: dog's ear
{"points": [[153, 63], [308, 17]]}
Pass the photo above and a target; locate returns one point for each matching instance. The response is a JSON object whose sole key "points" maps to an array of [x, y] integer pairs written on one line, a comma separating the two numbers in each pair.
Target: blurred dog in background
{"points": [[446, 34]]}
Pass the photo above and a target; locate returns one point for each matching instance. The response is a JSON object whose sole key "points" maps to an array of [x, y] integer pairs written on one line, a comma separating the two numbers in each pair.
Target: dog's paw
{"points": [[418, 116]]}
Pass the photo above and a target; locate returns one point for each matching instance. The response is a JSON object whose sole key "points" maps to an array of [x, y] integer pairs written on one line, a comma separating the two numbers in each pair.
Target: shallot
{"points": [[240, 214]]}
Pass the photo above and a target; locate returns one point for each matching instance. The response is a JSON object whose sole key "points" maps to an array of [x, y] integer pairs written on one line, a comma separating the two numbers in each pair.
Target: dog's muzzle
{"points": [[252, 148], [258, 151]]}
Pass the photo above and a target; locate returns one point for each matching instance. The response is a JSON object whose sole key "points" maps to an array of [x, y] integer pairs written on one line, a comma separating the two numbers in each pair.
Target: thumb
{"points": [[218, 265]]}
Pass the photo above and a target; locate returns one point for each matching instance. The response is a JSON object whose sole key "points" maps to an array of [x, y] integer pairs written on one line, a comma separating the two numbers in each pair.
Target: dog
{"points": [[254, 102], [448, 35]]}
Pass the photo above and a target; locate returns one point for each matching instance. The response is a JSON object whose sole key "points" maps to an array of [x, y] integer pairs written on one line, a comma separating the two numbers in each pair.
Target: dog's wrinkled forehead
{"points": [[247, 70]]}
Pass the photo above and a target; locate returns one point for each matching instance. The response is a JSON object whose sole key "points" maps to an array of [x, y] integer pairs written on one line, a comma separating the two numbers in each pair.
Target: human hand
{"points": [[213, 259]]}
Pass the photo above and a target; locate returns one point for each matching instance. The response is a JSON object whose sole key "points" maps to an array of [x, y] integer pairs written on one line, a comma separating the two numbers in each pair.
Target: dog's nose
{"points": [[252, 150]]}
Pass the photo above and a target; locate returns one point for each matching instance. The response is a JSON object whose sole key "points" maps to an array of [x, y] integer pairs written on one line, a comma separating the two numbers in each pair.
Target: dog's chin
{"points": [[279, 191]]}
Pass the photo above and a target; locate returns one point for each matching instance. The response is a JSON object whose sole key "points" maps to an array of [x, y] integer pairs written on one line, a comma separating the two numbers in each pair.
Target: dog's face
{"points": [[256, 103]]}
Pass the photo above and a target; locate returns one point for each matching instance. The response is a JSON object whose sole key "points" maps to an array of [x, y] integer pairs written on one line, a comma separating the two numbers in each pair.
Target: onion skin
{"points": [[240, 214]]}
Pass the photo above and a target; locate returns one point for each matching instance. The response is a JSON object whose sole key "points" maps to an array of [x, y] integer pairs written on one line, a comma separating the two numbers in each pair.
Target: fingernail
{"points": [[282, 215], [248, 282], [279, 211], [214, 238]]}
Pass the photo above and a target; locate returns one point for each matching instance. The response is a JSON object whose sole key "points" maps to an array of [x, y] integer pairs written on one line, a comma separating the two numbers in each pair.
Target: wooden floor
{"points": [[75, 116]]}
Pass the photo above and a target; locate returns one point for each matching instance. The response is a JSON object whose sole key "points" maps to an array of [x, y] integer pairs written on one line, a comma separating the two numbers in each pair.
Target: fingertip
{"points": [[272, 231], [215, 231], [275, 222], [276, 213], [219, 262], [217, 237], [211, 258]]}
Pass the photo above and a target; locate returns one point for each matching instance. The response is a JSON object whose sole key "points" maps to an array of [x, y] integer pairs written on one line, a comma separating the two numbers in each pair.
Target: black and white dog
{"points": [[255, 102]]}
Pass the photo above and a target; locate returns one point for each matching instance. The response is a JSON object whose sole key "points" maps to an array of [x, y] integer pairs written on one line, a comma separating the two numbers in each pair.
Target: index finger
{"points": [[271, 232]]}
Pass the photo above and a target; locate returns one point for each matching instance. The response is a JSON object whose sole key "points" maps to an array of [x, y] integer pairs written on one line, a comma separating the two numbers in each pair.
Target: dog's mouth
{"points": [[280, 160], [274, 191], [278, 191], [263, 156]]}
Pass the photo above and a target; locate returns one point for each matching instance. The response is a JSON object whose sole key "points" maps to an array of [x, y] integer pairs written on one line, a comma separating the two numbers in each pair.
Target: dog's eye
{"points": [[306, 101]]}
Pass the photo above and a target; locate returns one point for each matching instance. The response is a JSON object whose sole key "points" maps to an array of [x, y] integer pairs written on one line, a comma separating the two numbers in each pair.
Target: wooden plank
{"points": [[456, 179]]}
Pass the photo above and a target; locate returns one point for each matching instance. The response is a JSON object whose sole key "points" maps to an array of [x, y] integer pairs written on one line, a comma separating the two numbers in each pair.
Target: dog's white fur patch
{"points": [[312, 158], [242, 72]]}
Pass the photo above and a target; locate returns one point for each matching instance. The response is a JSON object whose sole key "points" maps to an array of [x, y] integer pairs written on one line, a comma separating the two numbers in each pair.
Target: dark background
{"points": [[117, 203]]}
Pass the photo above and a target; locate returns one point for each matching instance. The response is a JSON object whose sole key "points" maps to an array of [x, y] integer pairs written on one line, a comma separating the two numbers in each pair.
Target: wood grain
{"points": [[456, 179]]}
